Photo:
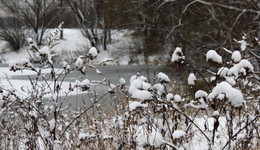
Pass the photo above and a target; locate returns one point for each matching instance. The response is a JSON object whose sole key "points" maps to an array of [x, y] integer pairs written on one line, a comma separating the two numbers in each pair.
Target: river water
{"points": [[113, 73]]}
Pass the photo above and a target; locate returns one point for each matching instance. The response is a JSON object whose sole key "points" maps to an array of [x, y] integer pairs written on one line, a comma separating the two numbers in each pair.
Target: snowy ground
{"points": [[74, 44]]}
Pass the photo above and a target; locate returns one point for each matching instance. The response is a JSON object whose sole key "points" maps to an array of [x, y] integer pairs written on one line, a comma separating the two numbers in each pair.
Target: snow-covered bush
{"points": [[177, 56], [144, 115]]}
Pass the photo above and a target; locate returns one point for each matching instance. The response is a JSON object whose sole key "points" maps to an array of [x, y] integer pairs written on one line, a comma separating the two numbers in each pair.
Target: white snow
{"points": [[122, 81], [241, 67], [177, 98], [177, 55], [106, 61], [191, 79], [85, 136], [153, 138], [92, 53], [169, 97], [241, 136], [79, 62], [222, 72], [64, 64], [162, 77], [30, 40], [177, 134], [19, 64], [159, 88], [66, 67], [133, 105], [212, 55], [138, 84], [246, 65], [231, 81], [236, 56], [243, 44], [45, 51], [73, 41], [234, 96], [85, 83], [215, 114], [141, 95], [112, 88], [52, 124], [139, 88], [142, 78], [200, 94]]}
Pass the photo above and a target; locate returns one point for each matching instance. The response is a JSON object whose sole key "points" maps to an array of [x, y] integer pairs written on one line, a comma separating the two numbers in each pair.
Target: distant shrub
{"points": [[11, 31]]}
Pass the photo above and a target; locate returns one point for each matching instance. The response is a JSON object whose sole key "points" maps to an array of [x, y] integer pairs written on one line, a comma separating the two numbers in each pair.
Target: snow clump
{"points": [[138, 76], [212, 55], [66, 67], [243, 43], [133, 105], [45, 52], [163, 78], [178, 56], [84, 85], [222, 72], [122, 82], [191, 79], [177, 134], [159, 89], [215, 114], [200, 94], [177, 98], [20, 64], [92, 53], [234, 96], [243, 67], [236, 56], [139, 88], [30, 41], [52, 124], [85, 136], [153, 138], [169, 97], [79, 64]]}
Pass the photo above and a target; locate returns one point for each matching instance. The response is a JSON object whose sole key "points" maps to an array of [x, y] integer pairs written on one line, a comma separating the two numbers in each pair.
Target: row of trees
{"points": [[195, 25]]}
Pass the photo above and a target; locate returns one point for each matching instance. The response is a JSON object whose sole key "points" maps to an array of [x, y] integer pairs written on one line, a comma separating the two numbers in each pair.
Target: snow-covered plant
{"points": [[178, 56], [39, 118], [213, 56], [144, 115]]}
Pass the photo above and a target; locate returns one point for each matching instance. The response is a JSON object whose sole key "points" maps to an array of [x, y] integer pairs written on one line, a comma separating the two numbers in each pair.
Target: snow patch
{"points": [[236, 56], [178, 56], [212, 55], [177, 134], [234, 96], [200, 94], [133, 105], [191, 79], [163, 78]]}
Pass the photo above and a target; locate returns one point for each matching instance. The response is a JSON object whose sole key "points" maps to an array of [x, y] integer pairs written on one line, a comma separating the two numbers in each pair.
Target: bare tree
{"points": [[36, 14], [87, 19]]}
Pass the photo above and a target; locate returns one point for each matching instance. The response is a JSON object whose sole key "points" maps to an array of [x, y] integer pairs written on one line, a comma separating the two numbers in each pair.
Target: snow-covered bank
{"points": [[74, 44]]}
